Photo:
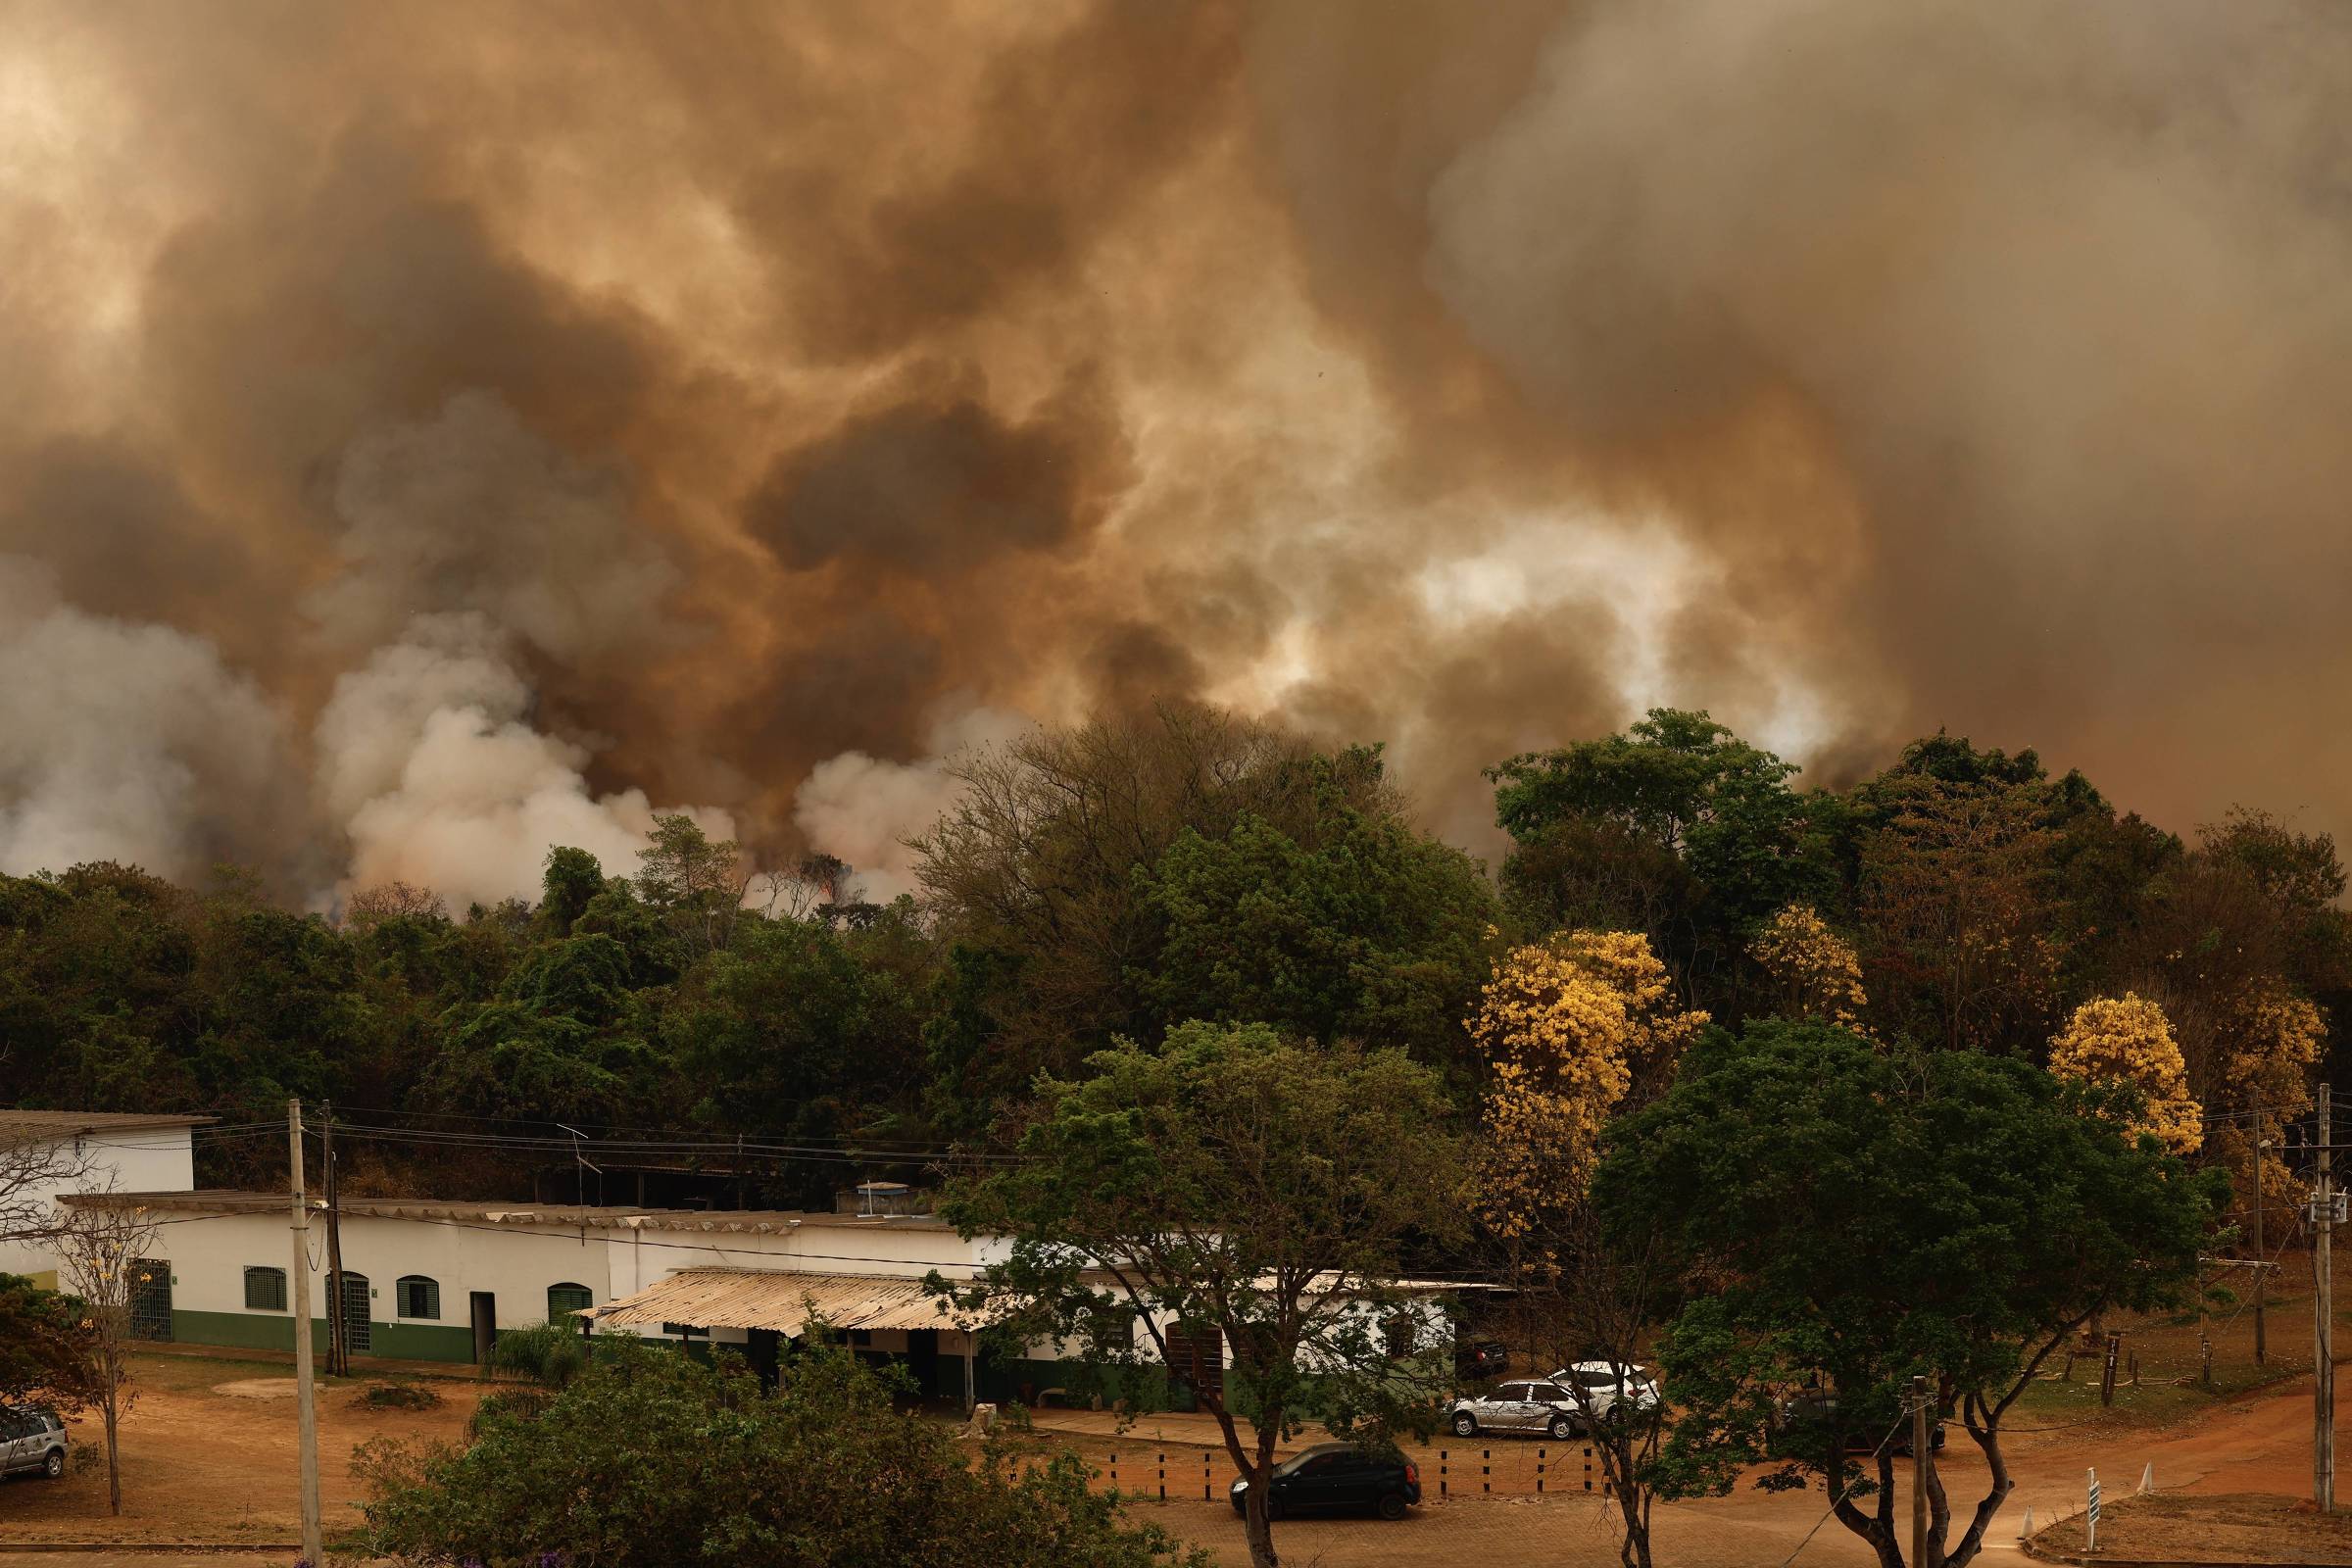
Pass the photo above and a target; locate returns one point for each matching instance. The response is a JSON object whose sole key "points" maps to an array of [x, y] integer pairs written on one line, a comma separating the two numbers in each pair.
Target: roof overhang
{"points": [[784, 1301]]}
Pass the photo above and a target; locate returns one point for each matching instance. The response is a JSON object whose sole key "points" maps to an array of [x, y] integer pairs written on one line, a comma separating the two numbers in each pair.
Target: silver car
{"points": [[1534, 1407], [32, 1441]]}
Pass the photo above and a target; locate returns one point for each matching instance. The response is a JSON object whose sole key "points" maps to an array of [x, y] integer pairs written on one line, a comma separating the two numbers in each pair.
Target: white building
{"points": [[82, 1151], [429, 1280]]}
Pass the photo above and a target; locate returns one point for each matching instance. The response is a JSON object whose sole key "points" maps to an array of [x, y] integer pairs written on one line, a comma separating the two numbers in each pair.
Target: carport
{"points": [[768, 1306]]}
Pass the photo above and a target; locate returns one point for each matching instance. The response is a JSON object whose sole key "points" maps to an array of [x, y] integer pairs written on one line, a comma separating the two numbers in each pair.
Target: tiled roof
{"points": [[66, 1123], [784, 1300]]}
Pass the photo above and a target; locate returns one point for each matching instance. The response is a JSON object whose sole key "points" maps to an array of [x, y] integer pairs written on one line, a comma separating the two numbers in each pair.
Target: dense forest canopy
{"points": [[1118, 879]]}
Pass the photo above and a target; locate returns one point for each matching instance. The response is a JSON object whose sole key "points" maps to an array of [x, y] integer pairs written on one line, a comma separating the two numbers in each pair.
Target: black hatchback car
{"points": [[1337, 1478]]}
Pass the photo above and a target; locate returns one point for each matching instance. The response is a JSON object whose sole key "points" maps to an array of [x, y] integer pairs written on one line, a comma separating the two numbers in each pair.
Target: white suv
{"points": [[1605, 1386]]}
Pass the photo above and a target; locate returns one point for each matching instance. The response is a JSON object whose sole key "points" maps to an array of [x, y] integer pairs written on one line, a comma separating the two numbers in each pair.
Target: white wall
{"points": [[148, 1160], [517, 1261]]}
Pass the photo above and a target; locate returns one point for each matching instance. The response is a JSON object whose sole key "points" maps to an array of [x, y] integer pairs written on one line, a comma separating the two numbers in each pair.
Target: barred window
{"points": [[414, 1295], [265, 1289], [565, 1299]]}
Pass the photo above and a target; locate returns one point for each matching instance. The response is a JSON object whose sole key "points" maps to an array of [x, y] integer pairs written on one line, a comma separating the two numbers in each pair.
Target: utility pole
{"points": [[1919, 1472], [2323, 1396], [305, 1398], [2260, 1274], [338, 1335]]}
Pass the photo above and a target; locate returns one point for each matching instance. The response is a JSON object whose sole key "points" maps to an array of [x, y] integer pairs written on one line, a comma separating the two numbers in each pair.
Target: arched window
{"points": [[265, 1289], [414, 1295], [565, 1299]]}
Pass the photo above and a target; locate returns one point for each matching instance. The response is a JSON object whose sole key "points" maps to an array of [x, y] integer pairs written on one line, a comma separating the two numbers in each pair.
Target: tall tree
{"points": [[103, 1259], [1677, 828], [1858, 1216], [1354, 926], [1234, 1182], [1037, 861]]}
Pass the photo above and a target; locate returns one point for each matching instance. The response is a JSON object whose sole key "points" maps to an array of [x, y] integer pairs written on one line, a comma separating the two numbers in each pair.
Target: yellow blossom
{"points": [[2127, 1039]]}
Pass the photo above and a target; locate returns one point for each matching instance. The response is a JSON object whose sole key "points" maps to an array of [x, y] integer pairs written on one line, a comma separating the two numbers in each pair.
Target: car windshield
{"points": [[1301, 1461]]}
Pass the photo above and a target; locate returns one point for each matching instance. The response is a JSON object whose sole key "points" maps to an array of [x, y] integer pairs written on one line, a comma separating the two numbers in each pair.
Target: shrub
{"points": [[647, 1457]]}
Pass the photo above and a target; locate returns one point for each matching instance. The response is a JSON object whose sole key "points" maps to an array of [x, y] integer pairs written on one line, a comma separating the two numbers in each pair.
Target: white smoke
{"points": [[132, 743], [425, 757], [862, 808]]}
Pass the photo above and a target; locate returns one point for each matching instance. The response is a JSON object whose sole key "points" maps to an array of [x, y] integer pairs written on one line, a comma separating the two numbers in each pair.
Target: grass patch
{"points": [[2158, 1399]]}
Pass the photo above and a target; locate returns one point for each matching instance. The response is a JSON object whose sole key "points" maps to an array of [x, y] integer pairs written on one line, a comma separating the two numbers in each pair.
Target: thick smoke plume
{"points": [[428, 435]]}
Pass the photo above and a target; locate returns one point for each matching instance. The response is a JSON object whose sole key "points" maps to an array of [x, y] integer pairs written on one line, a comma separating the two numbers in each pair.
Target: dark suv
{"points": [[1337, 1478]]}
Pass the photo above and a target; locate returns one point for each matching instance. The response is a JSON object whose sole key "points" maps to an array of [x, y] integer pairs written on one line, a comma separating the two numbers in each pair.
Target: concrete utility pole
{"points": [[338, 1328], [306, 1397], [1920, 1455], [2323, 1396]]}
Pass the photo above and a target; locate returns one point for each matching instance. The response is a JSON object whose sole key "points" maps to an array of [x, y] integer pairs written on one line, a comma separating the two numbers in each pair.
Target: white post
{"points": [[306, 1400], [2091, 1539]]}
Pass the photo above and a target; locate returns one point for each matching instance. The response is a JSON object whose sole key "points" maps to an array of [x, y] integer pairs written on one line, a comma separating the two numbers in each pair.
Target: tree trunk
{"points": [[1258, 1469], [114, 1459]]}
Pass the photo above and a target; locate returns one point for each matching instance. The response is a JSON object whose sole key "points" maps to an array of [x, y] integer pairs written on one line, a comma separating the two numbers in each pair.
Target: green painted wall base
{"points": [[274, 1331]]}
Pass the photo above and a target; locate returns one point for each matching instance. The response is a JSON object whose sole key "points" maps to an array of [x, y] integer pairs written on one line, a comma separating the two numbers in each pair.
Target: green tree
{"points": [[798, 1040], [649, 1458], [1239, 1182], [1676, 828], [565, 1039], [1862, 1217], [1357, 927], [571, 880], [1037, 861], [44, 1348]]}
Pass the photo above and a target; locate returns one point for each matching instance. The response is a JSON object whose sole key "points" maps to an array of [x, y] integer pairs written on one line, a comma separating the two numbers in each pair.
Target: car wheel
{"points": [[1465, 1425], [54, 1467], [1273, 1509], [1563, 1427], [1392, 1506]]}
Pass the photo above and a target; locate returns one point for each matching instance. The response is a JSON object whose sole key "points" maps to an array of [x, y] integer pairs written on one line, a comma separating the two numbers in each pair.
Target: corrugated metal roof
{"points": [[781, 1300]]}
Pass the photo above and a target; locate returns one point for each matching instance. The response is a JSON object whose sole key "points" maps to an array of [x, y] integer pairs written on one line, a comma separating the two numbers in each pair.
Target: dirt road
{"points": [[209, 1457]]}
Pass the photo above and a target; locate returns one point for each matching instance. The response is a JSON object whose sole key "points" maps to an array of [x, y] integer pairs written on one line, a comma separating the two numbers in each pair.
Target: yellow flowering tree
{"points": [[2127, 1039], [2273, 1040], [1817, 972], [1568, 1026]]}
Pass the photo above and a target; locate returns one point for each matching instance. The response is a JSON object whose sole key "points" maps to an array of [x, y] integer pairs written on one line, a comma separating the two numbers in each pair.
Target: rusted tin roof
{"points": [[784, 1300]]}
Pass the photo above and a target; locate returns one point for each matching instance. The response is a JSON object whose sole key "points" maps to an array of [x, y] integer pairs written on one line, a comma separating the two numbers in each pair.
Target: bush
{"points": [[648, 1459]]}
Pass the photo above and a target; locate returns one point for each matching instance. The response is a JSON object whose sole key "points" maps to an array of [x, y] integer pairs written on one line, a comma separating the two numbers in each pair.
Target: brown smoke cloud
{"points": [[491, 433]]}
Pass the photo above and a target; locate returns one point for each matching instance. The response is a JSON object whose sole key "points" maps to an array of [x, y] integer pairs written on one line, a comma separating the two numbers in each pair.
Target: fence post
{"points": [[1114, 1469], [1485, 1470], [1204, 1492], [1588, 1467], [1441, 1472], [1163, 1476], [1538, 1472]]}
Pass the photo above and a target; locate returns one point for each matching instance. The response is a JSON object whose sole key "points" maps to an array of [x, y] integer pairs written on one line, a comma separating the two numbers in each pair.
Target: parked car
{"points": [[1476, 1360], [32, 1441], [1520, 1406], [1813, 1408], [1607, 1387], [1337, 1478]]}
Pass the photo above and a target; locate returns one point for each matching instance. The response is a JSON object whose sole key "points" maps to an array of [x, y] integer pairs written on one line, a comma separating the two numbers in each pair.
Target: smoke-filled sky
{"points": [[429, 433]]}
